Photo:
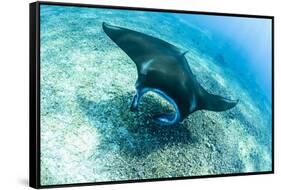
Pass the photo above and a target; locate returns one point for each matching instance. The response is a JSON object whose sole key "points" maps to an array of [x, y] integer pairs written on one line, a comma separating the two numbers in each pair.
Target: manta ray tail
{"points": [[217, 103]]}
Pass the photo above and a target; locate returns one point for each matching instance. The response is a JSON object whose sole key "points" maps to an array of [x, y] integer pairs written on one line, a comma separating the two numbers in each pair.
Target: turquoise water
{"points": [[88, 133]]}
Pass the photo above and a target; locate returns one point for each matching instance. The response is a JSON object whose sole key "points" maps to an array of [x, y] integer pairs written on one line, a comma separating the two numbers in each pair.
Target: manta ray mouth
{"points": [[164, 118]]}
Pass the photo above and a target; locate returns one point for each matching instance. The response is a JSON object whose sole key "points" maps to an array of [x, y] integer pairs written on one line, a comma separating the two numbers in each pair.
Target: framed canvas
{"points": [[120, 94]]}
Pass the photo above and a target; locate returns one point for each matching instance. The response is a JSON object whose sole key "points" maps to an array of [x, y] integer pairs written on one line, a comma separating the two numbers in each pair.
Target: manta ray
{"points": [[163, 69]]}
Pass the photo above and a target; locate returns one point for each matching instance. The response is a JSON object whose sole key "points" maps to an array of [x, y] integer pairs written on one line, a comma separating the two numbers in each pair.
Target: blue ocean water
{"points": [[88, 133], [244, 43]]}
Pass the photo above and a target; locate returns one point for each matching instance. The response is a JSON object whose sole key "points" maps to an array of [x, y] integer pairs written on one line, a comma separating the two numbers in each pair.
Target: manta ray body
{"points": [[162, 68]]}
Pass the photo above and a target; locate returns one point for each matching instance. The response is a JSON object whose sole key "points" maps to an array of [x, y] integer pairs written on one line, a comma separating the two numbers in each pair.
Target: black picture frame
{"points": [[34, 92]]}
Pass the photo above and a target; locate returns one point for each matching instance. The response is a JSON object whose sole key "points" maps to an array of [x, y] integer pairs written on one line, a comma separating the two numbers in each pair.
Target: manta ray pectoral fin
{"points": [[140, 47], [217, 103]]}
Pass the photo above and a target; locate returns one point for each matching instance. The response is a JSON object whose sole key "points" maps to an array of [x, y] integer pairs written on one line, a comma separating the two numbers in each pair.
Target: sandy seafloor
{"points": [[88, 133]]}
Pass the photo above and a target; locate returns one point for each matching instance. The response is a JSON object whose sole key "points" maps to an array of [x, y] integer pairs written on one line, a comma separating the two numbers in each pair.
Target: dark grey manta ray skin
{"points": [[163, 69]]}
